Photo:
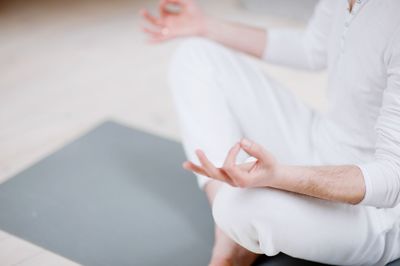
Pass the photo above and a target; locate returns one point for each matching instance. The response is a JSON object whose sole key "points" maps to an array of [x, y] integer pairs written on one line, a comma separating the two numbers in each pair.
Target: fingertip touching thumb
{"points": [[245, 143], [252, 148]]}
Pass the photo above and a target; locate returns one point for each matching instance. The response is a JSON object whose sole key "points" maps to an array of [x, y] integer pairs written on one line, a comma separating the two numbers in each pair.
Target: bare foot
{"points": [[228, 253]]}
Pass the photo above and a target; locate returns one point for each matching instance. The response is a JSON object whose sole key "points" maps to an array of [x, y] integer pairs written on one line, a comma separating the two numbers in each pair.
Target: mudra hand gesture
{"points": [[260, 173], [175, 18]]}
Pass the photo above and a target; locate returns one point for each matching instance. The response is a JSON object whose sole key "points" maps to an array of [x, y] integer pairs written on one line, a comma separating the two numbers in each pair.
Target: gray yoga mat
{"points": [[115, 196]]}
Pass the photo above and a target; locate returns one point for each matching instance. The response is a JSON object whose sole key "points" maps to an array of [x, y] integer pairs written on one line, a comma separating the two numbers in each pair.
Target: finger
{"points": [[230, 160], [229, 166], [180, 2], [150, 18], [164, 32], [145, 23], [171, 7], [159, 38], [153, 36], [254, 149], [194, 168], [237, 176], [162, 5], [151, 31], [167, 7], [156, 35], [174, 2], [211, 169]]}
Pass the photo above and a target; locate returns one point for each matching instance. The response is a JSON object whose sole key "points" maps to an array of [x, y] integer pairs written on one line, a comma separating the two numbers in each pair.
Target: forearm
{"points": [[247, 39], [335, 183]]}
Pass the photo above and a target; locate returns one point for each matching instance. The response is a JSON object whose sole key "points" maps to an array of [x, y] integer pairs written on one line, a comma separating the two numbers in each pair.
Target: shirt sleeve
{"points": [[306, 49], [382, 176]]}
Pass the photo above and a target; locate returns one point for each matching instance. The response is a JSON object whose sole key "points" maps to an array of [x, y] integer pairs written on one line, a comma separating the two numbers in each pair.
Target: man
{"points": [[321, 187]]}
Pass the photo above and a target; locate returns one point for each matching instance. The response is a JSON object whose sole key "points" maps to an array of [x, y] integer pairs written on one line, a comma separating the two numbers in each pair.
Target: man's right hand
{"points": [[175, 18]]}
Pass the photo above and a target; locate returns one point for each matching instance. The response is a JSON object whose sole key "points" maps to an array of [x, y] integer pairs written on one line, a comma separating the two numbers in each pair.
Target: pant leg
{"points": [[271, 221], [221, 96]]}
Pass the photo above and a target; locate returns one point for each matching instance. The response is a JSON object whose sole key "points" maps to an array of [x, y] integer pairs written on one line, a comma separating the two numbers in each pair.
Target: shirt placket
{"points": [[349, 19]]}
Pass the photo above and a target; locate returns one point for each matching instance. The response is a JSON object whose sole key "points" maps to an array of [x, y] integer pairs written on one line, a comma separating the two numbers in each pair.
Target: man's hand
{"points": [[176, 18], [260, 173], [343, 183], [183, 18]]}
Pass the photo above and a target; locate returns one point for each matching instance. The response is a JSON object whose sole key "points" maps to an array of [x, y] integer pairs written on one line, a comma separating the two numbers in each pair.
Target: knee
{"points": [[192, 51], [221, 209], [233, 212], [192, 58], [231, 207], [251, 217]]}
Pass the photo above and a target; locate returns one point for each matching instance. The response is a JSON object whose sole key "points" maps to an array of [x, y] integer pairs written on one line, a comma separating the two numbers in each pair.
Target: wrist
{"points": [[207, 24], [277, 177]]}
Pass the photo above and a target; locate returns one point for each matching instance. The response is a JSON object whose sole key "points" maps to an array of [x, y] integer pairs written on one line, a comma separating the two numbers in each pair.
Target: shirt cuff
{"points": [[368, 198], [379, 188]]}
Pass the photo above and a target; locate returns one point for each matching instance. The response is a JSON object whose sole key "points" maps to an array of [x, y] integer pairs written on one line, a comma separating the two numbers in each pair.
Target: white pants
{"points": [[220, 97]]}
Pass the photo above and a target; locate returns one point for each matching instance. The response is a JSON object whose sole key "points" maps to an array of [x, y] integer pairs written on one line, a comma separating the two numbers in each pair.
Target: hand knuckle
{"points": [[227, 168]]}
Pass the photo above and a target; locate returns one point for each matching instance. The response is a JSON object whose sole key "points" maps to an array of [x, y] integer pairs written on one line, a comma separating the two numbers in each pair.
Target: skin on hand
{"points": [[181, 18], [175, 18], [260, 173], [343, 183]]}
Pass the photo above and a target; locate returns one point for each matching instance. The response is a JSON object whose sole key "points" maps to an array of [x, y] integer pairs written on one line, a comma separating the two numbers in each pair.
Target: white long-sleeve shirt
{"points": [[361, 51]]}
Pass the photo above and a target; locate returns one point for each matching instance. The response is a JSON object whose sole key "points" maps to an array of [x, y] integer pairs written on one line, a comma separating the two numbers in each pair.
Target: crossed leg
{"points": [[220, 97], [270, 221]]}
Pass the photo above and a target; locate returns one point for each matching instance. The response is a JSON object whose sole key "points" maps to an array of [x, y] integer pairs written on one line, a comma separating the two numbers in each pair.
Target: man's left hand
{"points": [[260, 173]]}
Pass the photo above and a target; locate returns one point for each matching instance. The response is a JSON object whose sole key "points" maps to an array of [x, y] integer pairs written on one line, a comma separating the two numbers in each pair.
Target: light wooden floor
{"points": [[65, 66]]}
